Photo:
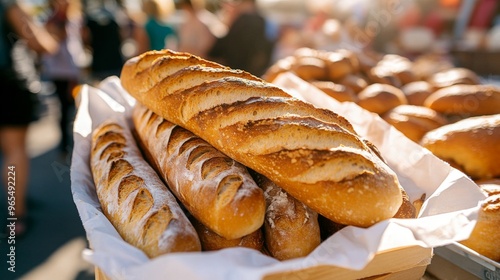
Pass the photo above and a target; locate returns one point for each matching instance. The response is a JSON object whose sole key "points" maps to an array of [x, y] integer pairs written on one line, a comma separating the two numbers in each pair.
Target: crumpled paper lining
{"points": [[448, 214]]}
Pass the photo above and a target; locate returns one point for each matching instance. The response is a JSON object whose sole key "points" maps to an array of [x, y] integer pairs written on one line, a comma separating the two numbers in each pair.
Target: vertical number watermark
{"points": [[11, 217]]}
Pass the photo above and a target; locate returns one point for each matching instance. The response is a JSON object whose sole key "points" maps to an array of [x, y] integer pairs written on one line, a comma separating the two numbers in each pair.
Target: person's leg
{"points": [[62, 91], [13, 147]]}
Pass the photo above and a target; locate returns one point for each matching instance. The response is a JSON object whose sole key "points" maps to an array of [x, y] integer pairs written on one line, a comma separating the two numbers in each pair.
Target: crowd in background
{"points": [[84, 41]]}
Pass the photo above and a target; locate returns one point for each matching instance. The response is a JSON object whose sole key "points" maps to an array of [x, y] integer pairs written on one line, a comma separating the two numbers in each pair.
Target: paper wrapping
{"points": [[448, 214]]}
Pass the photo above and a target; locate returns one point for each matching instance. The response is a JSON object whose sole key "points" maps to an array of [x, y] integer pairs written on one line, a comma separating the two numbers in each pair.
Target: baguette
{"points": [[291, 229], [215, 189], [314, 154], [133, 197]]}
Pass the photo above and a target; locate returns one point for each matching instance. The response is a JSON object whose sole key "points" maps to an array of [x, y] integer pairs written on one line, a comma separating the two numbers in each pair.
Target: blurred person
{"points": [[102, 33], [247, 45], [18, 110], [61, 68], [195, 36], [161, 34]]}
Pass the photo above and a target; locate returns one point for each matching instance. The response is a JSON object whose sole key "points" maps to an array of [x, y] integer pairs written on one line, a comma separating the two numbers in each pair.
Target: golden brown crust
{"points": [[470, 145], [309, 68], [211, 241], [454, 76], [380, 98], [215, 189], [414, 121], [383, 75], [416, 92], [291, 229], [355, 82], [134, 199], [466, 100], [338, 65], [336, 175], [399, 66]]}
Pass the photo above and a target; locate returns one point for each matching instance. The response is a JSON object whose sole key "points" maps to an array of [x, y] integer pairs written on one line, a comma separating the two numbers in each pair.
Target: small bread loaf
{"points": [[309, 68], [215, 189], [454, 76], [211, 241], [383, 75], [485, 237], [354, 82], [414, 121], [291, 229], [313, 154], [339, 92], [133, 197], [466, 100], [338, 64], [380, 98], [470, 145], [400, 66], [416, 92]]}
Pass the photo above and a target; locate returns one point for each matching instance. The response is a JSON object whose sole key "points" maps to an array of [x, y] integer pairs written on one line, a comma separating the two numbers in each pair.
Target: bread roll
{"points": [[340, 92], [485, 237], [400, 66], [466, 100], [355, 82], [414, 121], [310, 68], [454, 76], [380, 98], [383, 75], [470, 145], [215, 189], [338, 65], [134, 199], [416, 92], [211, 241], [313, 154], [291, 229]]}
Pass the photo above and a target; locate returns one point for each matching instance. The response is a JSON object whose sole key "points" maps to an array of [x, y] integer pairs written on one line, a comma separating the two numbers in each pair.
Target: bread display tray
{"points": [[458, 261], [391, 249]]}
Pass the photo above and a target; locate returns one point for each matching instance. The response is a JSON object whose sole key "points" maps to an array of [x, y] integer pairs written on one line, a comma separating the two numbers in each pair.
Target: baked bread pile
{"points": [[444, 108], [247, 164]]}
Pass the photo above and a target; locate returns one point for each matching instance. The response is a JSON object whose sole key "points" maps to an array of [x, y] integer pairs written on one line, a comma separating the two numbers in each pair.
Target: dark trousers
{"points": [[67, 107]]}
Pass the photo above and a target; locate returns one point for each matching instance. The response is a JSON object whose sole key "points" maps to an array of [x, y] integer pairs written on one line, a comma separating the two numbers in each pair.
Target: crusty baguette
{"points": [[291, 229], [134, 198], [215, 189], [313, 154]]}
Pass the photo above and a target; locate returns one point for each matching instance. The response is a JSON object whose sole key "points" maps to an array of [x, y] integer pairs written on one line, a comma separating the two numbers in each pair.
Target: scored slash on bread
{"points": [[218, 191], [339, 176], [134, 198]]}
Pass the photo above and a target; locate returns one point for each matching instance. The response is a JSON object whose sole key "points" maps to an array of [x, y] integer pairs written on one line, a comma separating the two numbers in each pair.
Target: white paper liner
{"points": [[448, 214]]}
